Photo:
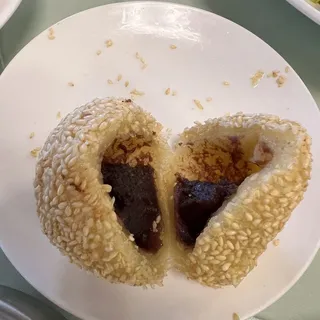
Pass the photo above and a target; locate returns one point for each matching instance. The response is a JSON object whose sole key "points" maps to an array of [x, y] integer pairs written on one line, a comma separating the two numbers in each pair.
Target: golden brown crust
{"points": [[233, 240], [75, 209]]}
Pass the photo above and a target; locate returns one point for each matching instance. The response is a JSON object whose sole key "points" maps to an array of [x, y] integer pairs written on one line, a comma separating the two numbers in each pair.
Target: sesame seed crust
{"points": [[74, 207], [229, 247]]}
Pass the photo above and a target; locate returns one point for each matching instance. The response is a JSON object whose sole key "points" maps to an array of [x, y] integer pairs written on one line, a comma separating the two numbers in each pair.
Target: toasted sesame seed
{"points": [[109, 43], [167, 92], [280, 81], [137, 92], [70, 84], [198, 104], [226, 83], [98, 52], [235, 316], [119, 77], [31, 135], [276, 242], [58, 116], [126, 84], [286, 69], [256, 78], [110, 81], [172, 46], [34, 152], [226, 266]]}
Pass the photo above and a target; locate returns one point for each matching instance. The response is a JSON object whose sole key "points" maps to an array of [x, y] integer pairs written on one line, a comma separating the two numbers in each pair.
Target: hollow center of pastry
{"points": [[210, 175], [127, 167]]}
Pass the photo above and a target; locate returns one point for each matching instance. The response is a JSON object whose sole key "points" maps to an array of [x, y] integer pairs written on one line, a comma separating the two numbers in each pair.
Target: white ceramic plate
{"points": [[210, 50], [308, 8], [7, 8]]}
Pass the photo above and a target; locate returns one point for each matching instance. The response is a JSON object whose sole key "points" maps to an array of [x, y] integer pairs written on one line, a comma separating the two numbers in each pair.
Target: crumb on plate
{"points": [[209, 99], [31, 135], [226, 83], [255, 79], [142, 60], [110, 81], [119, 77], [198, 104], [173, 47], [98, 52], [281, 80], [276, 242], [126, 84], [286, 69], [70, 84], [51, 35], [235, 316], [34, 152], [136, 92], [167, 92], [58, 115], [174, 93], [109, 43]]}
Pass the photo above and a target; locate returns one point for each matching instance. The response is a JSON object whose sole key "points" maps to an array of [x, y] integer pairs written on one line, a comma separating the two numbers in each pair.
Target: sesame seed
{"points": [[287, 69], [98, 52], [172, 46], [209, 99], [126, 84], [280, 81], [70, 84], [256, 78], [174, 93], [167, 92], [235, 316], [51, 35], [226, 83], [198, 104], [58, 116], [119, 77], [31, 135], [110, 81], [276, 242], [137, 92], [109, 43], [34, 152]]}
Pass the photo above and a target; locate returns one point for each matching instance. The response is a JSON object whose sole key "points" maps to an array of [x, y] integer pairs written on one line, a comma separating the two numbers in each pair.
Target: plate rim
{"points": [[8, 12], [147, 3], [307, 9]]}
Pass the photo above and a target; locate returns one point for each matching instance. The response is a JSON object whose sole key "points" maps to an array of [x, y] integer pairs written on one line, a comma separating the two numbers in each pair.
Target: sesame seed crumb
{"points": [[141, 59], [98, 52], [110, 81], [109, 43], [198, 104], [137, 92], [70, 84], [31, 135], [226, 83], [34, 152], [276, 242], [209, 99], [174, 93], [58, 115], [287, 69], [51, 35], [256, 78], [281, 80], [167, 92], [173, 47], [235, 316], [126, 84], [119, 77]]}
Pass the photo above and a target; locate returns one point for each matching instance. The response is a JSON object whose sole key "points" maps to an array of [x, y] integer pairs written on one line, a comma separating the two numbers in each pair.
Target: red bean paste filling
{"points": [[196, 202], [136, 202], [216, 175]]}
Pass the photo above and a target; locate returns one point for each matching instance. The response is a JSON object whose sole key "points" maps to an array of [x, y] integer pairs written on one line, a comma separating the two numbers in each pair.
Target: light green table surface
{"points": [[294, 36]]}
